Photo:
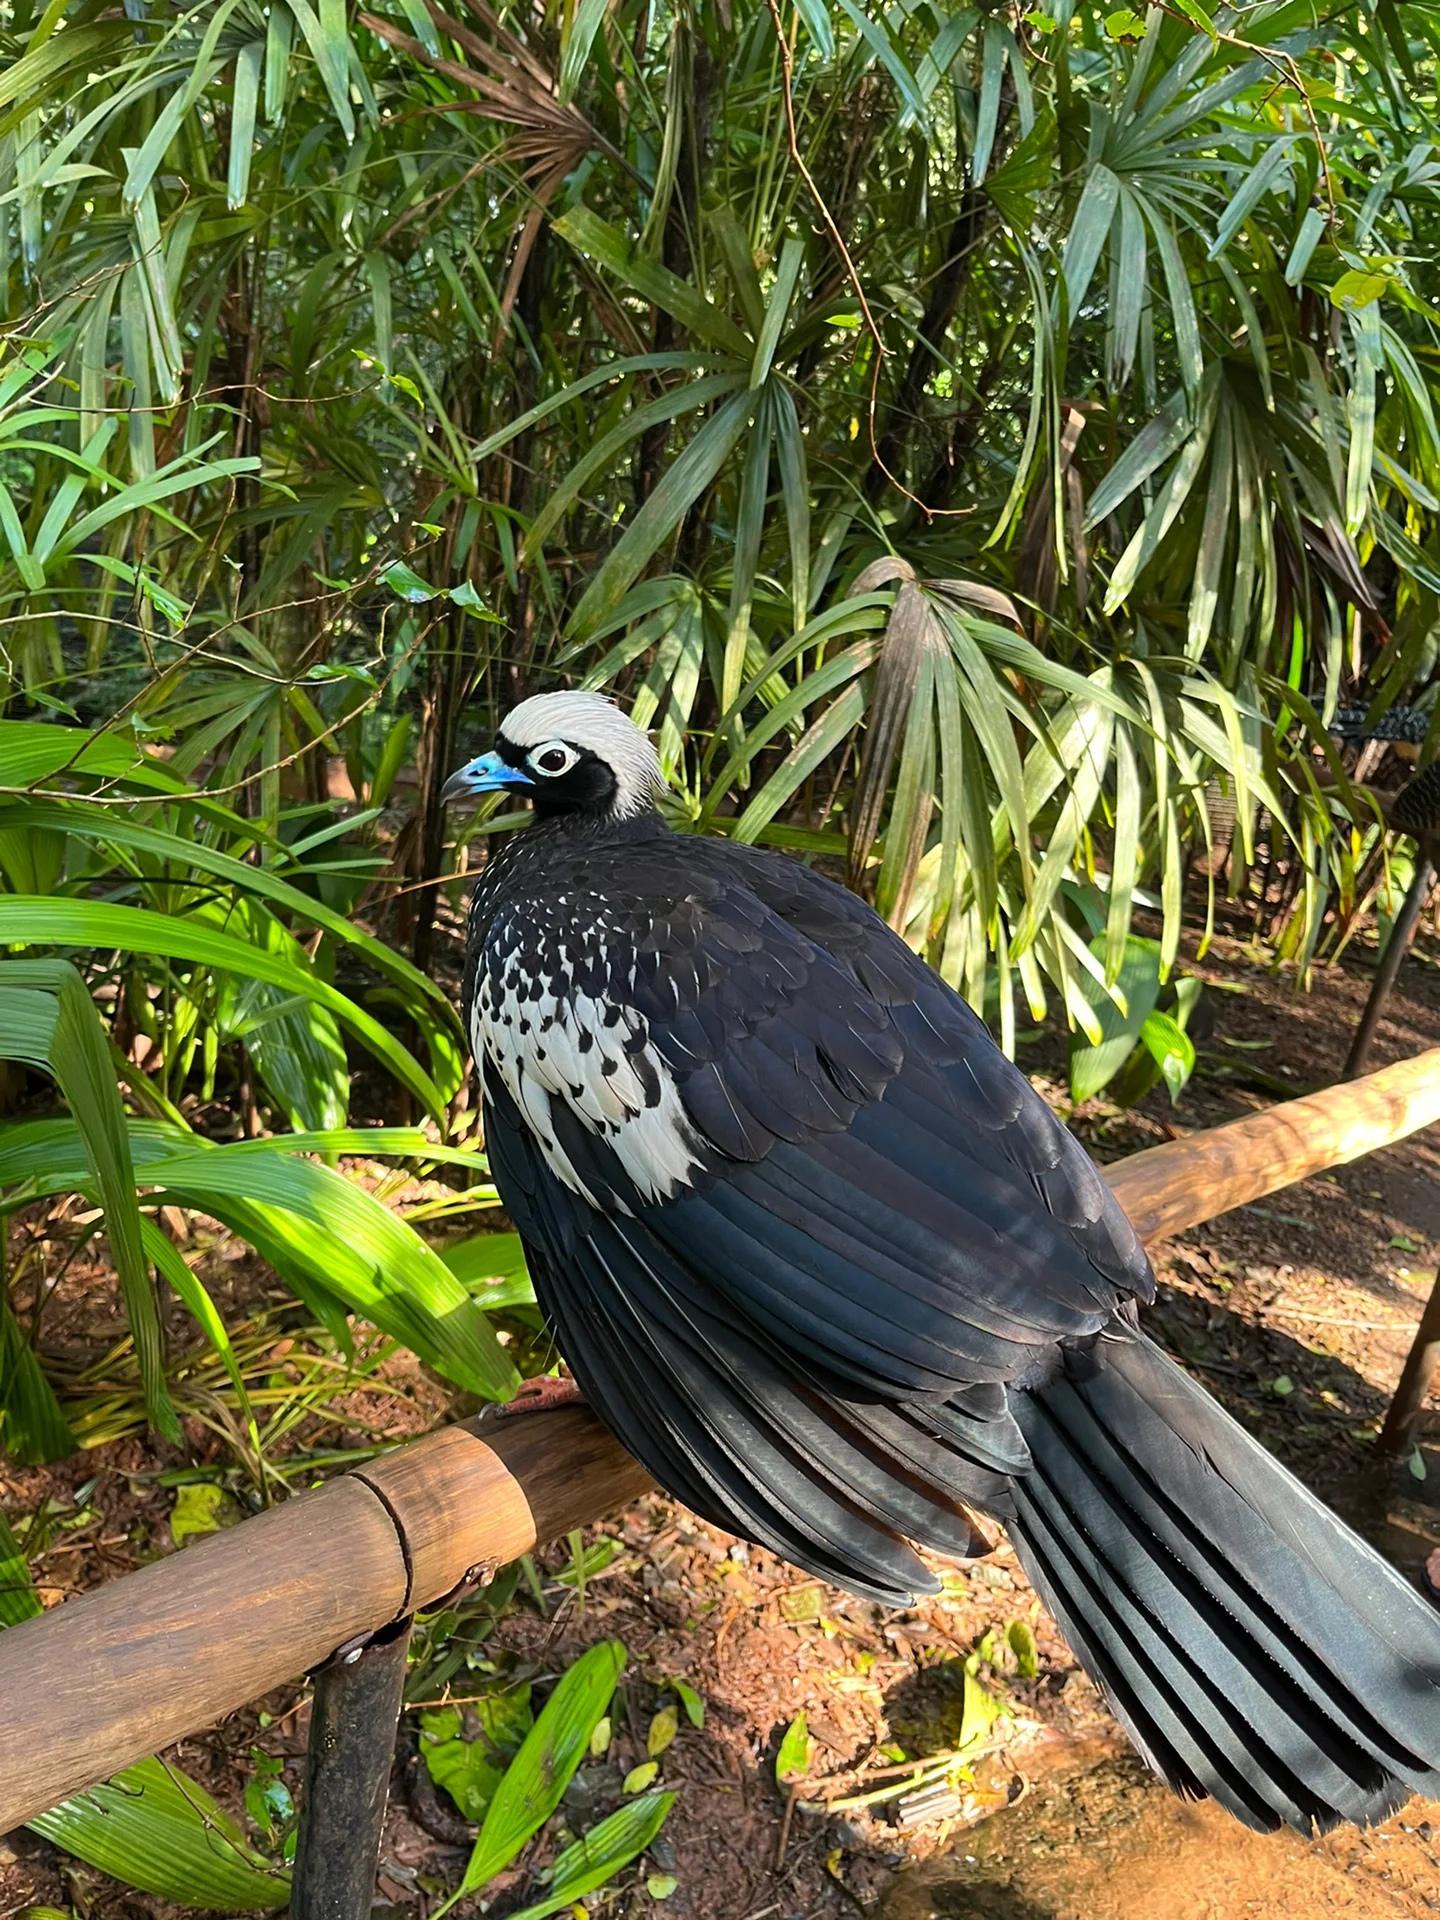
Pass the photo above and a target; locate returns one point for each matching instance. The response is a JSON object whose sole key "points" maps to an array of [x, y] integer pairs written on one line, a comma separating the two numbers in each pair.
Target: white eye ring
{"points": [[551, 759]]}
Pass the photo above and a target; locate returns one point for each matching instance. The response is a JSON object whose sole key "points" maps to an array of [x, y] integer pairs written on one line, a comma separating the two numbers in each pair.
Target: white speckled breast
{"points": [[549, 1018]]}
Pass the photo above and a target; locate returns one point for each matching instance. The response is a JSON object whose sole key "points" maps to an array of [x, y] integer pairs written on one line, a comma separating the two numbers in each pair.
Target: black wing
{"points": [[809, 1337]]}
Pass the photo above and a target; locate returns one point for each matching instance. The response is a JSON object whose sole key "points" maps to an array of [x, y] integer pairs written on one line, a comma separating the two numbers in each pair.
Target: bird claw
{"points": [[540, 1396]]}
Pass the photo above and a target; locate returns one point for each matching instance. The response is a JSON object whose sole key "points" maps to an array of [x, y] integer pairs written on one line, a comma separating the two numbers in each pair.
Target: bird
{"points": [[827, 1264], [1413, 808], [1403, 728]]}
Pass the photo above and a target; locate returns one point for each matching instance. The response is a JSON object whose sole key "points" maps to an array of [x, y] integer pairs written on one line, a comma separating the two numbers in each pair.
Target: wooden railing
{"points": [[118, 1673]]}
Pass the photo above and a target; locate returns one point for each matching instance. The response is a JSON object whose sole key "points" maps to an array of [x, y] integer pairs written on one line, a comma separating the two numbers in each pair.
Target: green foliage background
{"points": [[974, 437], [963, 430], [968, 435]]}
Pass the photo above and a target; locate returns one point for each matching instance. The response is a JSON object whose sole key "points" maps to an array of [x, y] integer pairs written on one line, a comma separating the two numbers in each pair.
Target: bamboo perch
{"points": [[94, 1685], [1188, 1181]]}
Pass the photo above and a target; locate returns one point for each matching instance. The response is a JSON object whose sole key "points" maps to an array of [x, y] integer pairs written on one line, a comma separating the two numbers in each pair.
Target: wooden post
{"points": [[1402, 932], [347, 1777], [1421, 1364], [119, 1673], [1188, 1181]]}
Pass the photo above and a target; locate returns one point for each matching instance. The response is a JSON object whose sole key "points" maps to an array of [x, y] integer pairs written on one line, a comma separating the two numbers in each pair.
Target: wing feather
{"points": [[796, 1221]]}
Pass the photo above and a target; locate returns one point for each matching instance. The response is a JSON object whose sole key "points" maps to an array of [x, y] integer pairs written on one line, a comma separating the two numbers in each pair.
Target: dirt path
{"points": [[1100, 1842]]}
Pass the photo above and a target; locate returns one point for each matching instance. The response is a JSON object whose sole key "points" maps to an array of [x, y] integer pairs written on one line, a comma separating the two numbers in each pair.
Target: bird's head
{"points": [[567, 753]]}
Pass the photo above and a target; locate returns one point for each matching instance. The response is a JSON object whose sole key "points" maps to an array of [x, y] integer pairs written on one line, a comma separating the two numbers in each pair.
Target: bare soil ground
{"points": [[1297, 1313]]}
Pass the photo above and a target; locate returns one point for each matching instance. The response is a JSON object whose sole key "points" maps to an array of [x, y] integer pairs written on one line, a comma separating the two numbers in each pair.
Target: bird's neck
{"points": [[579, 826], [553, 835]]}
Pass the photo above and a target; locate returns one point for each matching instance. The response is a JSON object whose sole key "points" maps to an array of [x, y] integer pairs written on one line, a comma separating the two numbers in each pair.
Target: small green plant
{"points": [[792, 1759], [1139, 1036], [511, 1772], [339, 1248]]}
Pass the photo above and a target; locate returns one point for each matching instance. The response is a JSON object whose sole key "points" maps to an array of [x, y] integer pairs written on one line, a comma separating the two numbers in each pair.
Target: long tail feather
{"points": [[1254, 1647]]}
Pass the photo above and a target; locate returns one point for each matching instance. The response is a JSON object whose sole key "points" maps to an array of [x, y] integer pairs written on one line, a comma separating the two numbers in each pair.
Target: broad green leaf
{"points": [[1253, 188], [663, 1729], [995, 58], [608, 245], [350, 1244], [1125, 855], [1197, 15], [792, 1762], [540, 1772], [402, 579], [816, 15], [295, 1046], [492, 1267], [978, 1715], [1021, 1638], [245, 100], [172, 1268], [34, 751], [685, 361], [600, 1854], [1169, 502], [33, 1429], [468, 1769], [678, 489], [690, 397], [188, 853], [749, 532], [47, 1019], [201, 1508], [1129, 263], [886, 50], [76, 50], [1312, 228], [318, 1228], [1356, 289], [777, 307], [182, 476], [581, 29], [689, 1699], [154, 1828], [95, 923], [1360, 408], [1172, 1049], [1087, 234], [1093, 1067], [18, 1598], [1183, 316], [329, 42], [793, 465], [1148, 451], [816, 745]]}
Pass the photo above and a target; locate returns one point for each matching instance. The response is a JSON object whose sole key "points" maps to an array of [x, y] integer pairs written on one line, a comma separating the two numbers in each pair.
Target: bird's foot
{"points": [[539, 1396]]}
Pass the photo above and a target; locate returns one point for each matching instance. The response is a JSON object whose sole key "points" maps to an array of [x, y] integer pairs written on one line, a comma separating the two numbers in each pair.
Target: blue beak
{"points": [[483, 775]]}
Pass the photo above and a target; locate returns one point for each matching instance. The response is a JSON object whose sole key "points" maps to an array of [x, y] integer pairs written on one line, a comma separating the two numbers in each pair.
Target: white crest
{"points": [[595, 723]]}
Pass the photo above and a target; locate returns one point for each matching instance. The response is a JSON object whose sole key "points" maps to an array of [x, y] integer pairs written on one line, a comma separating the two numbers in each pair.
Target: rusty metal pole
{"points": [[347, 1777], [1421, 1364], [1402, 932]]}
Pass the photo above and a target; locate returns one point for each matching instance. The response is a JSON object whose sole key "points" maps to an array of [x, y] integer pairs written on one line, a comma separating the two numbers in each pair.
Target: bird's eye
{"points": [[553, 758]]}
